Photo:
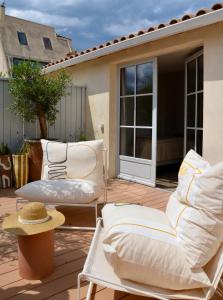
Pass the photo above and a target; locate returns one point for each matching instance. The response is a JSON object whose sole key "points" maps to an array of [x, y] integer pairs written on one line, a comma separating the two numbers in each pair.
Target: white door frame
{"points": [[152, 162], [195, 128]]}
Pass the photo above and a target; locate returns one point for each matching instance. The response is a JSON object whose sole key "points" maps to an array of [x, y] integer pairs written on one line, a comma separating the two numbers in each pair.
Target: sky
{"points": [[92, 22]]}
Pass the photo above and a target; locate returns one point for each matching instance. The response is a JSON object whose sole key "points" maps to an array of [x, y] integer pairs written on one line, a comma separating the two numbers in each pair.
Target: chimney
{"points": [[2, 13]]}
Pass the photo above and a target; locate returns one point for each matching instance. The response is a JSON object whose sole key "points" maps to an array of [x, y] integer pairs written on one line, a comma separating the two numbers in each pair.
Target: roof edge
{"points": [[190, 24]]}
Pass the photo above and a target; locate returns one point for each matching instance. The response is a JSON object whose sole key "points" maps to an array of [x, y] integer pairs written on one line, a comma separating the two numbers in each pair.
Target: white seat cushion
{"points": [[62, 190], [195, 210], [141, 246], [82, 160]]}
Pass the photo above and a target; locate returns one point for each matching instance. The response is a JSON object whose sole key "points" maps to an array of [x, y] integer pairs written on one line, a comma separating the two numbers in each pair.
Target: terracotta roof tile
{"points": [[173, 21], [186, 17], [161, 25], [140, 32], [202, 12], [217, 6], [151, 29]]}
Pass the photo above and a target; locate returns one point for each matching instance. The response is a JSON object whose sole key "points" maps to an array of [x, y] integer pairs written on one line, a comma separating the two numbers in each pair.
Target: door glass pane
{"points": [[199, 141], [200, 110], [126, 141], [144, 110], [143, 143], [144, 78], [200, 73], [191, 111], [190, 142], [191, 76], [127, 81], [127, 111]]}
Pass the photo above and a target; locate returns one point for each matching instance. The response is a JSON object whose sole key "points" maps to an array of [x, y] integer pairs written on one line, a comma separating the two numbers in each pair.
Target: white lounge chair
{"points": [[93, 204], [97, 270]]}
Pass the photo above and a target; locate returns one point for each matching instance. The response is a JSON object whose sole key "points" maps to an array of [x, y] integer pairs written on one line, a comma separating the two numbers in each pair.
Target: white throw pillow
{"points": [[61, 190], [195, 209], [174, 209], [82, 160], [193, 165], [200, 227], [141, 246]]}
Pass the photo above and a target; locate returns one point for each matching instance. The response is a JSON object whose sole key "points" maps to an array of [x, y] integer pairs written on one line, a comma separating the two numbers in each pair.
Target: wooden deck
{"points": [[71, 249]]}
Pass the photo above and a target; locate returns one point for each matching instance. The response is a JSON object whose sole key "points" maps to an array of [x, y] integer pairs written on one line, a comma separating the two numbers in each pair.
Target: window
{"points": [[194, 104], [16, 61], [47, 43], [22, 38], [136, 107]]}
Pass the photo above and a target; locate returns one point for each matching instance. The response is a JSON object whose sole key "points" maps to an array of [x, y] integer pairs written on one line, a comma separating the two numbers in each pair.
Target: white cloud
{"points": [[126, 26], [89, 35], [49, 19], [91, 22]]}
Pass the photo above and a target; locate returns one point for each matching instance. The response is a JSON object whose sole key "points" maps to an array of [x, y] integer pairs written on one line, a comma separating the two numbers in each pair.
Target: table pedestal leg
{"points": [[36, 255]]}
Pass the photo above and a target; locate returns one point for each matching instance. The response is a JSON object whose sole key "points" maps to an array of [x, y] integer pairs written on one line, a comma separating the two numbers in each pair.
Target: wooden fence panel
{"points": [[68, 126]]}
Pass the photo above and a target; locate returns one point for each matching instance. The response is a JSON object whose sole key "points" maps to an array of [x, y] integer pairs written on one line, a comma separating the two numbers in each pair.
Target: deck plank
{"points": [[71, 248]]}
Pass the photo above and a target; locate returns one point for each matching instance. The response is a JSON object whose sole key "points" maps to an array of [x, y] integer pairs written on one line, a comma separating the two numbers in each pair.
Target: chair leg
{"points": [[96, 213], [89, 291], [79, 286], [219, 290]]}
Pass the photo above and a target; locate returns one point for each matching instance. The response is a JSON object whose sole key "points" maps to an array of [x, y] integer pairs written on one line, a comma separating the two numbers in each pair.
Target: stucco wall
{"points": [[100, 77], [34, 33], [10, 46], [213, 96], [3, 59]]}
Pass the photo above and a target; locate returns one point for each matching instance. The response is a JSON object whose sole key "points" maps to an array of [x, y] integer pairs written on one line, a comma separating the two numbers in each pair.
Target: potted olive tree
{"points": [[35, 96]]}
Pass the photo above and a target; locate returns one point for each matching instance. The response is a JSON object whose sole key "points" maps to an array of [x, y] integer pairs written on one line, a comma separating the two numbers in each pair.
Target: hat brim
{"points": [[12, 225]]}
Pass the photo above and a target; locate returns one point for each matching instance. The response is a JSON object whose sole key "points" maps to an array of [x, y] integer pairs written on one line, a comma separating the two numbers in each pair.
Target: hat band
{"points": [[28, 222]]}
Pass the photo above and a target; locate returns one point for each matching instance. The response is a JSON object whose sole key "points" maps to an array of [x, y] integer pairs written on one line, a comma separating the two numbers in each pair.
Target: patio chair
{"points": [[97, 270], [141, 243], [55, 170]]}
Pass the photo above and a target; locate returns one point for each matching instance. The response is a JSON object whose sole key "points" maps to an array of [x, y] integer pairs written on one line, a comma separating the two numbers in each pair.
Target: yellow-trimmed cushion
{"points": [[195, 210], [141, 246], [192, 166]]}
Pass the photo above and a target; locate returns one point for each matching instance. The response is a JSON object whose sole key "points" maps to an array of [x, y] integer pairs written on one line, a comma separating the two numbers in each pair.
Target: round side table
{"points": [[36, 255]]}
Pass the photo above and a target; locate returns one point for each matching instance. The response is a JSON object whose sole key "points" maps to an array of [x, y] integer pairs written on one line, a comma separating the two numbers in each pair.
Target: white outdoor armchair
{"points": [[73, 174], [97, 270]]}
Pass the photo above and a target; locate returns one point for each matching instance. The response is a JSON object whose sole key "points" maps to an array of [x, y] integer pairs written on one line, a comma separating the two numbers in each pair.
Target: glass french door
{"points": [[137, 122], [193, 134]]}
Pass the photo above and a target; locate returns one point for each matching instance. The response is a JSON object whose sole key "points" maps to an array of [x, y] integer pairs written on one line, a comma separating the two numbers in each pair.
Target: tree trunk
{"points": [[42, 123]]}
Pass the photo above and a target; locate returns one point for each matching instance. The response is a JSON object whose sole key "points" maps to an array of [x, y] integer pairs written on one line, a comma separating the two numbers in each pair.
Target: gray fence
{"points": [[69, 124]]}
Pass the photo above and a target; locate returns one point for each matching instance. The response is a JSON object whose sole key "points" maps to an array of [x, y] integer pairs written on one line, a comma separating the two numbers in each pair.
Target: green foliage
{"points": [[23, 149], [3, 75], [36, 95], [4, 149], [82, 137]]}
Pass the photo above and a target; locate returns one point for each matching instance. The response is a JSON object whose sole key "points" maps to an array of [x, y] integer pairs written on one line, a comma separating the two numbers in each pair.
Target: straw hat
{"points": [[33, 218]]}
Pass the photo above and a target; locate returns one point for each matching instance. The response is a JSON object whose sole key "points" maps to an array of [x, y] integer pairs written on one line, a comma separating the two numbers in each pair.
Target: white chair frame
{"points": [[93, 204], [136, 289]]}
